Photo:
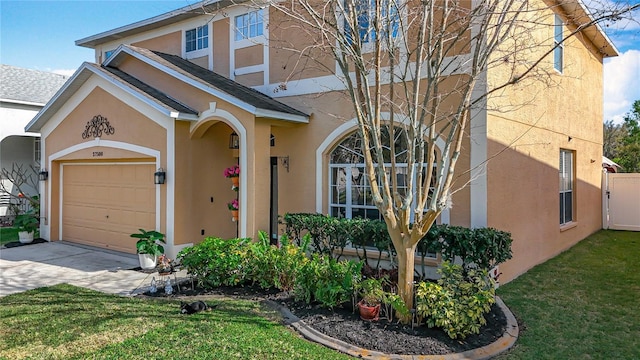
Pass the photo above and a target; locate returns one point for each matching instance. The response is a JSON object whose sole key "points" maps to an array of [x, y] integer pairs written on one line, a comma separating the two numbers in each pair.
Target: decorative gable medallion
{"points": [[97, 126]]}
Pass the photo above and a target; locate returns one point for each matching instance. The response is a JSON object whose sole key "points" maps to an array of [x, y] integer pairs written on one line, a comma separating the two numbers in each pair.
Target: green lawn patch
{"points": [[67, 322], [582, 304], [8, 234]]}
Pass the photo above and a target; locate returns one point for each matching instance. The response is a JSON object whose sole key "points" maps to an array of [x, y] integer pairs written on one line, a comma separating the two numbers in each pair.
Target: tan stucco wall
{"points": [[252, 79], [221, 47], [249, 56], [202, 61], [169, 43], [562, 112], [130, 127]]}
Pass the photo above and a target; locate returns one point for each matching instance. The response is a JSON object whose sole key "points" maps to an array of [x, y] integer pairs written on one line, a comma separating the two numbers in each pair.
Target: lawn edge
{"points": [[501, 345]]}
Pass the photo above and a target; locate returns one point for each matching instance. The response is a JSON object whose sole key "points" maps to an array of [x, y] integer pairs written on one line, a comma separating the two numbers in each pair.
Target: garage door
{"points": [[103, 204]]}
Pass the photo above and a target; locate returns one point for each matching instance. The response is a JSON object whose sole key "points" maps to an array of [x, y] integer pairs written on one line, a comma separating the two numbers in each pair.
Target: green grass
{"points": [[582, 304], [8, 234], [67, 322]]}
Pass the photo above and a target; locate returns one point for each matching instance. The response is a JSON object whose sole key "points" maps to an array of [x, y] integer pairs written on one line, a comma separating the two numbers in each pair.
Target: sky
{"points": [[41, 35]]}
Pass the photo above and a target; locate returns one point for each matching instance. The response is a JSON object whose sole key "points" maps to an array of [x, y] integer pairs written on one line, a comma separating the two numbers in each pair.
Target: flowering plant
{"points": [[233, 171], [233, 205]]}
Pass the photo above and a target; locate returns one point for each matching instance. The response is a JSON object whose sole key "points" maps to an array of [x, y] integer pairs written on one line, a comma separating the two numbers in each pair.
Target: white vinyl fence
{"points": [[621, 201]]}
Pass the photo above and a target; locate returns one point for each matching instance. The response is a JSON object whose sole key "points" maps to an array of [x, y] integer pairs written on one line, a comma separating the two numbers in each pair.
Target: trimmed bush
{"points": [[456, 303]]}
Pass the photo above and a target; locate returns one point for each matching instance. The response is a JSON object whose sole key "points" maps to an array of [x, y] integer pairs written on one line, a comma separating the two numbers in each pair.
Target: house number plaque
{"points": [[96, 127]]}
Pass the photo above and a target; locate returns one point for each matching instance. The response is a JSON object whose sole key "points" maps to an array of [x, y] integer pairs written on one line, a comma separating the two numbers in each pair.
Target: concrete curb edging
{"points": [[505, 342]]}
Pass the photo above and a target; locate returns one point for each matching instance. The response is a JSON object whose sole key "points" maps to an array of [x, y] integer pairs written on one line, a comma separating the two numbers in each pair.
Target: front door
{"points": [[273, 211]]}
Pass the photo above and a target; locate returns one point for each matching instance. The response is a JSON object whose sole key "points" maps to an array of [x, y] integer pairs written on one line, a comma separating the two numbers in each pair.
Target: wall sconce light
{"points": [[159, 177], [272, 140], [284, 160], [234, 141], [43, 175], [569, 138]]}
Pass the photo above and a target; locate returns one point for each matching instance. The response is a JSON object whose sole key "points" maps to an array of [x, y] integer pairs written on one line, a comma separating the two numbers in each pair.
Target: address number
{"points": [[98, 153]]}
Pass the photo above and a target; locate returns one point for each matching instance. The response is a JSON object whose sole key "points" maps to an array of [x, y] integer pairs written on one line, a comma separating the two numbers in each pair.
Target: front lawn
{"points": [[583, 304], [67, 322], [8, 234]]}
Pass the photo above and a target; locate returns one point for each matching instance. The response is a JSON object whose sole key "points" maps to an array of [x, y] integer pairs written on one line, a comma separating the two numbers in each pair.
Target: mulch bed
{"points": [[343, 324], [18, 243]]}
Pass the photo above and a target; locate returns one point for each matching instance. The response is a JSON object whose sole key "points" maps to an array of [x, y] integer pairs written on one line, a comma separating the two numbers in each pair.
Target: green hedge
{"points": [[482, 247]]}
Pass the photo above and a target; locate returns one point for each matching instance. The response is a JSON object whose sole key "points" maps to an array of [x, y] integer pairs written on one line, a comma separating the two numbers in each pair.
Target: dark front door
{"points": [[273, 211]]}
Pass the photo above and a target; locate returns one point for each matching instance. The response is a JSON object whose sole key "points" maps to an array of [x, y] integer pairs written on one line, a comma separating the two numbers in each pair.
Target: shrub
{"points": [[215, 261], [456, 303], [271, 266], [484, 247], [326, 280]]}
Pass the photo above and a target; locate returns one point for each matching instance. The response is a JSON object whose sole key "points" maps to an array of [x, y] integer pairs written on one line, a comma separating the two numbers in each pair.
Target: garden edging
{"points": [[486, 352]]}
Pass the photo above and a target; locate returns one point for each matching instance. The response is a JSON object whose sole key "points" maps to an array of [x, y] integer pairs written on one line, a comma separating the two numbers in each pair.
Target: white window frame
{"points": [[250, 20], [369, 35], [566, 172], [558, 51], [37, 150], [202, 39]]}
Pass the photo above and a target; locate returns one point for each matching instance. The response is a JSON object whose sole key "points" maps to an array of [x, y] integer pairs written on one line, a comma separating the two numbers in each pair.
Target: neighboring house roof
{"points": [[183, 13], [576, 8], [609, 164], [219, 86], [27, 86]]}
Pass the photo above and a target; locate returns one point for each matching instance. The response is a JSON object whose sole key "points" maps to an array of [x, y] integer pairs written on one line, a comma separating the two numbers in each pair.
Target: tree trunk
{"points": [[406, 262]]}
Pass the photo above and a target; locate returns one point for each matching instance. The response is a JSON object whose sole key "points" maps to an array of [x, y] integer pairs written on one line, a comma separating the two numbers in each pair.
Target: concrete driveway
{"points": [[28, 267]]}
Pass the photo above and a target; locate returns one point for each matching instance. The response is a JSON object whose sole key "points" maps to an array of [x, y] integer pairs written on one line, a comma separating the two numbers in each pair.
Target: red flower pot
{"points": [[369, 313]]}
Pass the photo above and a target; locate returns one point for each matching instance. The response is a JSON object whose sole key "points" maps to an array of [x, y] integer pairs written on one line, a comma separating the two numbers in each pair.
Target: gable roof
{"points": [[244, 97], [130, 84], [27, 86], [151, 91]]}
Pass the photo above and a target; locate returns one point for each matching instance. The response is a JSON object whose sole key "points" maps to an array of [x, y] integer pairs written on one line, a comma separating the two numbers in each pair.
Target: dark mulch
{"points": [[343, 324], [18, 243]]}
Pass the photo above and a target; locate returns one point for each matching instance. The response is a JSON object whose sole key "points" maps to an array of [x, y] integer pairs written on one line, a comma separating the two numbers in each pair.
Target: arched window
{"points": [[350, 189]]}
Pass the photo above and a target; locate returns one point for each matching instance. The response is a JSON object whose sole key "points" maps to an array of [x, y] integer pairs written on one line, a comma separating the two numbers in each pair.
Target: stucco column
{"points": [[258, 178]]}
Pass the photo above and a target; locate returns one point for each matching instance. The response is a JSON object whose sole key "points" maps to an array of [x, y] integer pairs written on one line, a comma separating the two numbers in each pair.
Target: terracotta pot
{"points": [[236, 182], [369, 313], [234, 215]]}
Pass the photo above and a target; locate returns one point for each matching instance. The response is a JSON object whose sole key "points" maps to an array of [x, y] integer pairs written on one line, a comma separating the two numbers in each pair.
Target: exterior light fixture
{"points": [[234, 141], [159, 177], [43, 175], [272, 140]]}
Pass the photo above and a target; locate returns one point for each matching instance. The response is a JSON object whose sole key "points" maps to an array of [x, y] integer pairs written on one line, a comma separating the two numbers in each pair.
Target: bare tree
{"points": [[23, 179], [424, 63]]}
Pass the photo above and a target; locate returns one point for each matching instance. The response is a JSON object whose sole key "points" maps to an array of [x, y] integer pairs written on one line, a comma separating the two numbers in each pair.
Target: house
{"points": [[186, 94], [23, 92]]}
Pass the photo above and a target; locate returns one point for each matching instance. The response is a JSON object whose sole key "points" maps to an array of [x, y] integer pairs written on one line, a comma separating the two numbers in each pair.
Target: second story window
{"points": [[367, 19], [558, 51], [249, 25], [197, 39]]}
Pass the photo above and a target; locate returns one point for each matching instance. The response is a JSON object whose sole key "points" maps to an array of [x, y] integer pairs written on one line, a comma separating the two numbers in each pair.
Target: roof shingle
{"points": [[27, 85]]}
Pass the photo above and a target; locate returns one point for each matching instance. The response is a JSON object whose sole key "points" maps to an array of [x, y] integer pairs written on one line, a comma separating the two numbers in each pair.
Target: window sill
{"points": [[568, 226]]}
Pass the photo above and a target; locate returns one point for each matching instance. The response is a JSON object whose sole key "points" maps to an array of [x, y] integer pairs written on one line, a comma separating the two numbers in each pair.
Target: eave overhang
{"points": [[580, 16]]}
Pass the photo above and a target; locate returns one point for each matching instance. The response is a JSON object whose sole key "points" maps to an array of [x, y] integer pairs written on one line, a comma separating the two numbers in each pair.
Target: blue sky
{"points": [[41, 35]]}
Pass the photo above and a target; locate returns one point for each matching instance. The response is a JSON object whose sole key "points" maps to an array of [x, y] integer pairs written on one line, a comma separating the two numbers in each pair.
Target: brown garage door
{"points": [[103, 204]]}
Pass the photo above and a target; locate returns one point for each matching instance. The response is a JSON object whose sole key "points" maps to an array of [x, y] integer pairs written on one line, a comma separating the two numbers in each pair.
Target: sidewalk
{"points": [[32, 266]]}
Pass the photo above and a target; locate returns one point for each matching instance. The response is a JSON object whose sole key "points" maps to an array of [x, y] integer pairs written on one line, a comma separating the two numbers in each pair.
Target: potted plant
{"points": [[233, 173], [372, 295], [233, 206], [27, 224], [148, 248]]}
